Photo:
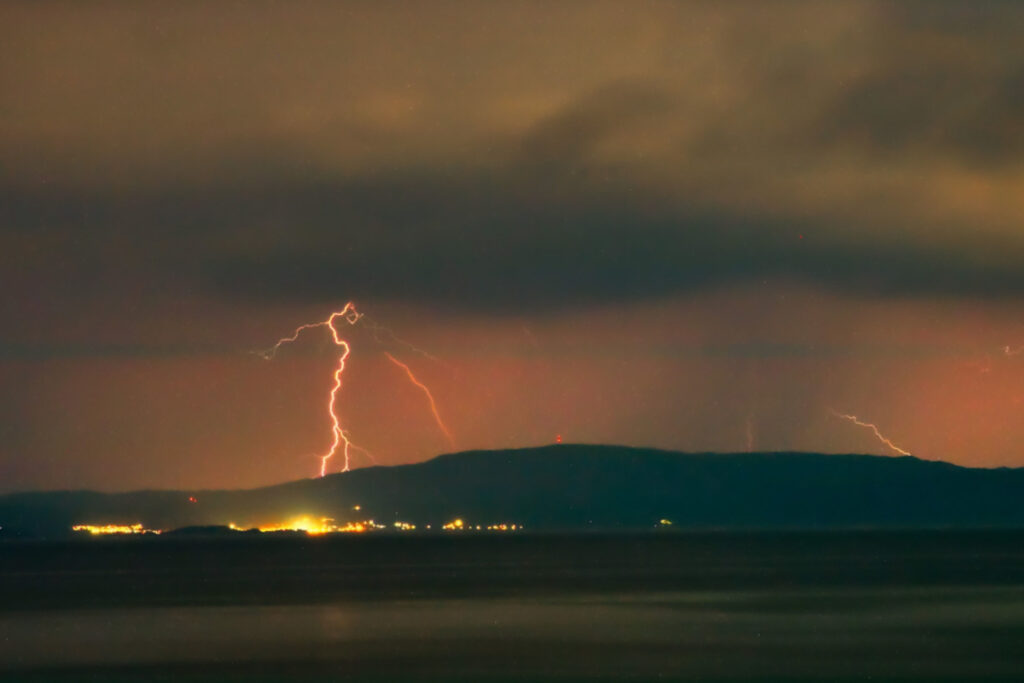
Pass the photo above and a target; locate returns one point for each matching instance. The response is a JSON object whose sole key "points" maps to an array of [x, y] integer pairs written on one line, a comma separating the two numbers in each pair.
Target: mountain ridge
{"points": [[573, 487]]}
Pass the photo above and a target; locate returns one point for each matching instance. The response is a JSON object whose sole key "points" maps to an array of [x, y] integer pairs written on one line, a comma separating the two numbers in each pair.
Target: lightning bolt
{"points": [[341, 440], [873, 428], [349, 314], [376, 329], [430, 397], [369, 456]]}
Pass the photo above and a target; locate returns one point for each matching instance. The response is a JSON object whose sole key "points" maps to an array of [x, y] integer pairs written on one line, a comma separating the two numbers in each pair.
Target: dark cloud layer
{"points": [[498, 242], [565, 156]]}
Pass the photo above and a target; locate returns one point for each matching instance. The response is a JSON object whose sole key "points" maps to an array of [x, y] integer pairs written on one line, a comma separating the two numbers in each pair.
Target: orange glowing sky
{"points": [[654, 227]]}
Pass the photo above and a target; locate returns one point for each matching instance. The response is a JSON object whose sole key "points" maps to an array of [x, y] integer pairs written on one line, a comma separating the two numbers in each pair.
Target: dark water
{"points": [[740, 607]]}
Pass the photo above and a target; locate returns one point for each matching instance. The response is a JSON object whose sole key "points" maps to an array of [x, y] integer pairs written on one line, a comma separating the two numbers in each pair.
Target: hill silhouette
{"points": [[576, 487]]}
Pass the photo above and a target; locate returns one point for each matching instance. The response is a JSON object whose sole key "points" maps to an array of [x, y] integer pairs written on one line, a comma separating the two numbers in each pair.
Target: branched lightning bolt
{"points": [[341, 442], [377, 330], [340, 437], [430, 397], [348, 313], [873, 428], [369, 456]]}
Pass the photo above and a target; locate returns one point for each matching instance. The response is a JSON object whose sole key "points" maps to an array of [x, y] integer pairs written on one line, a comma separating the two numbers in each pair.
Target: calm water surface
{"points": [[716, 607]]}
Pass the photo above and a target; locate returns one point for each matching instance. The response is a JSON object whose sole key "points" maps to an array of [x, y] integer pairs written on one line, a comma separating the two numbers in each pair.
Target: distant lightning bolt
{"points": [[340, 437], [531, 337], [430, 397], [873, 428]]}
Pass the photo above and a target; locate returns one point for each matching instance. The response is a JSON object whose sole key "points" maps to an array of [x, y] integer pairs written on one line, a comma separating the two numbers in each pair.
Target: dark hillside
{"points": [[579, 487]]}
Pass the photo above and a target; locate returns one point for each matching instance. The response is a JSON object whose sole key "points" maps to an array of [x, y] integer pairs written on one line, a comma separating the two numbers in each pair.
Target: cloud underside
{"points": [[567, 156], [495, 244]]}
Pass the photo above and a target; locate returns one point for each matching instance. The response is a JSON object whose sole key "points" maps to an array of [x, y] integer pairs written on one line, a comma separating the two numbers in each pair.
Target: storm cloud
{"points": [[516, 158]]}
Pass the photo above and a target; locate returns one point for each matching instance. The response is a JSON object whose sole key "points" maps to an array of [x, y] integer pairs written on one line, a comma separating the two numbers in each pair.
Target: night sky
{"points": [[698, 226]]}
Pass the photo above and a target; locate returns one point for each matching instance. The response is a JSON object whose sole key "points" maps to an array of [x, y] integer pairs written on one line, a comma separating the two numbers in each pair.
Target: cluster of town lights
{"points": [[324, 525], [460, 525], [311, 526], [317, 527], [111, 529]]}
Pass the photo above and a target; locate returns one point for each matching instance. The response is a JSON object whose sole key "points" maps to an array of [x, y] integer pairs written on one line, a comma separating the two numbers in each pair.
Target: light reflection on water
{"points": [[906, 632]]}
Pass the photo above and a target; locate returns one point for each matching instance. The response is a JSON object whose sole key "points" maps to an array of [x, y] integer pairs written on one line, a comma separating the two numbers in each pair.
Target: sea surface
{"points": [[723, 606]]}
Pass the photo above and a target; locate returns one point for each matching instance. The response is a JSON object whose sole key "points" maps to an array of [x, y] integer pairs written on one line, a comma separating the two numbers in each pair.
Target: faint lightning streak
{"points": [[873, 428], [430, 397], [531, 337], [268, 354], [369, 456], [340, 436], [376, 329]]}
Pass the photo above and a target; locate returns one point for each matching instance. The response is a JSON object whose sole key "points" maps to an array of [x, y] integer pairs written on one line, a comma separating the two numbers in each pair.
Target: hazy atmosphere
{"points": [[697, 226]]}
